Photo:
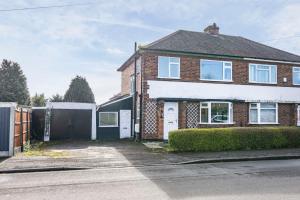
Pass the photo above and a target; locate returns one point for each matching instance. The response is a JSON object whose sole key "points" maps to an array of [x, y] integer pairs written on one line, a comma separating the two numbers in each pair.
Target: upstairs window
{"points": [[259, 73], [296, 75], [168, 67], [215, 70], [263, 113], [132, 84]]}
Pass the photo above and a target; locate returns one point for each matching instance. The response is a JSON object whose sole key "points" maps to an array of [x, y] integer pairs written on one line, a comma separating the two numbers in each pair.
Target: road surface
{"points": [[263, 180]]}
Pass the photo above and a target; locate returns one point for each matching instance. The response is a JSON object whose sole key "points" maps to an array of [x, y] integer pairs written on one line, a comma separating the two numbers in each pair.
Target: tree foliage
{"points": [[79, 91], [56, 98], [13, 84], [38, 100]]}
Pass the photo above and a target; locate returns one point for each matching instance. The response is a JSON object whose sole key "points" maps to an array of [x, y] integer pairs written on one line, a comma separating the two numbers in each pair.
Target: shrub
{"points": [[222, 139]]}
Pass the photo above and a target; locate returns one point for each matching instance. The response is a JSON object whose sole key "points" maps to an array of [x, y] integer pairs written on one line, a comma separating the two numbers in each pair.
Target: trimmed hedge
{"points": [[242, 138]]}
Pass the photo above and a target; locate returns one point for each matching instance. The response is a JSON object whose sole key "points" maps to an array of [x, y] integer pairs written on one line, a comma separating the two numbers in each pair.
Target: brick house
{"points": [[206, 79]]}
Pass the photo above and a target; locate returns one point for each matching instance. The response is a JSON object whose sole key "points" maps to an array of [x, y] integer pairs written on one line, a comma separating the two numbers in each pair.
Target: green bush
{"points": [[222, 139]]}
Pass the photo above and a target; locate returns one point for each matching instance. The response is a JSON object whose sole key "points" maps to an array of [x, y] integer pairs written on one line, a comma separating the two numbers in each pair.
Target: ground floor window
{"points": [[108, 119], [216, 113], [263, 113]]}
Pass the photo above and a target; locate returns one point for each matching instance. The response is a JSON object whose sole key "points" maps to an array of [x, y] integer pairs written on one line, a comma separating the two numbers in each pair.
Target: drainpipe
{"points": [[134, 95]]}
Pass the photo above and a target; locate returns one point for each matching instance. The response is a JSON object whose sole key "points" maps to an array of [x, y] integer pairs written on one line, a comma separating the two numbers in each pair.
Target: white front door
{"points": [[170, 118], [298, 115], [125, 123]]}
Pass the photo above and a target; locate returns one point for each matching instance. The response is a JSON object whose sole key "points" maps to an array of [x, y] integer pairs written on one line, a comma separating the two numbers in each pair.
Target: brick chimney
{"points": [[212, 29]]}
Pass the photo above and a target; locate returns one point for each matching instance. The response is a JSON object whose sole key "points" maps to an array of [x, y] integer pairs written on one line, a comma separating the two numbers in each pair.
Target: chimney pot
{"points": [[212, 29]]}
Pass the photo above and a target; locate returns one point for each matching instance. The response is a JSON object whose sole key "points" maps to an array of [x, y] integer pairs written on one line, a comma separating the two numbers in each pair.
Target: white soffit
{"points": [[189, 90], [70, 105]]}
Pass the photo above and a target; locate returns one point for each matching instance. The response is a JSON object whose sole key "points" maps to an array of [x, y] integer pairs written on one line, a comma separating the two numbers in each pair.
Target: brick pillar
{"points": [[160, 119], [182, 114]]}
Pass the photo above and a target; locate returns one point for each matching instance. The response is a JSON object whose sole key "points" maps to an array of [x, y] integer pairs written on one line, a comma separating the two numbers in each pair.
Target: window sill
{"points": [[210, 80], [177, 78], [263, 123], [216, 123], [108, 126], [263, 83]]}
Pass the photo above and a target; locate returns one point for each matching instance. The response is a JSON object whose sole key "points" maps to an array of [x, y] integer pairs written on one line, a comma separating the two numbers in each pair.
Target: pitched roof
{"points": [[225, 45]]}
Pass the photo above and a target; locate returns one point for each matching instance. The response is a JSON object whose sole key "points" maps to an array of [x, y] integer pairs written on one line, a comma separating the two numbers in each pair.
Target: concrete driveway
{"points": [[82, 154]]}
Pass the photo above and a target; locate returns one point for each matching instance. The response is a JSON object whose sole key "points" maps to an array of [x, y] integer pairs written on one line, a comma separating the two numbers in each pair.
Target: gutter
{"points": [[188, 53]]}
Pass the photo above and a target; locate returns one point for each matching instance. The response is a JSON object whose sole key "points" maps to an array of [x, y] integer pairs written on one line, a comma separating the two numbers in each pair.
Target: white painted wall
{"points": [[250, 93]]}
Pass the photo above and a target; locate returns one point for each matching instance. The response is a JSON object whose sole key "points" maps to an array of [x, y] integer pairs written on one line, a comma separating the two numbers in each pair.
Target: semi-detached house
{"points": [[206, 79]]}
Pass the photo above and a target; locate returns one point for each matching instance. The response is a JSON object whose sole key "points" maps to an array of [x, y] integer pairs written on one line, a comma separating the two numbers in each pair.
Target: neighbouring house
{"points": [[206, 79]]}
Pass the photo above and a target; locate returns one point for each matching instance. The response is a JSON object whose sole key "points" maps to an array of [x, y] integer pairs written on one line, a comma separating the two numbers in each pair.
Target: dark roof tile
{"points": [[204, 43]]}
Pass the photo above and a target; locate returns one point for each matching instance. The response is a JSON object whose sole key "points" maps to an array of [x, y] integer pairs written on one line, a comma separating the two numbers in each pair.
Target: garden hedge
{"points": [[223, 139]]}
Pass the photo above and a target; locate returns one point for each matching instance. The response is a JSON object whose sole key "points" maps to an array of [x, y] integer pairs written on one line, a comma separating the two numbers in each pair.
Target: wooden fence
{"points": [[22, 127]]}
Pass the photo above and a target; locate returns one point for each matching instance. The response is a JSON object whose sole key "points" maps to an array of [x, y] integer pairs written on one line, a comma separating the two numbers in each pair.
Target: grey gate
{"points": [[6, 129]]}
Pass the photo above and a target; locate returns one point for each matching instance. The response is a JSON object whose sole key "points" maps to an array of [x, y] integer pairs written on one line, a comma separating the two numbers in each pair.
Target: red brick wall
{"points": [[190, 71], [125, 79]]}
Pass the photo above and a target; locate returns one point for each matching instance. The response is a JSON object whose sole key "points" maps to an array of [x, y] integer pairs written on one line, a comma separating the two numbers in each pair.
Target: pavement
{"points": [[263, 180], [92, 155]]}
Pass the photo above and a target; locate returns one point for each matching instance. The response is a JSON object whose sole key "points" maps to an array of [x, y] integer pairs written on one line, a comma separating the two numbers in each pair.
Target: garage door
{"points": [[4, 129], [70, 124]]}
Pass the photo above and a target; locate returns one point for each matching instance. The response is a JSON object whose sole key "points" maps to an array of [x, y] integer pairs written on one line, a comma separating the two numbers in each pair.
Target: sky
{"points": [[56, 44]]}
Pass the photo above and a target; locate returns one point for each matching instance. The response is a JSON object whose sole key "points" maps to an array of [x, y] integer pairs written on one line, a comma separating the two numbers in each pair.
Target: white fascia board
{"points": [[8, 104], [248, 93], [70, 105], [271, 61]]}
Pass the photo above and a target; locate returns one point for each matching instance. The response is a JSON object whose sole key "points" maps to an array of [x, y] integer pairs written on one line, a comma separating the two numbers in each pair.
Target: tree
{"points": [[13, 84], [56, 98], [38, 100], [79, 91]]}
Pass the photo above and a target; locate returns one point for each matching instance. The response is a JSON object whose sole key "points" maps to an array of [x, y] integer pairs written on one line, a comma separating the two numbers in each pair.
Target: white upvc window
{"points": [[108, 119], [214, 70], [262, 73], [263, 113], [298, 115], [216, 113], [296, 75], [132, 84], [168, 67]]}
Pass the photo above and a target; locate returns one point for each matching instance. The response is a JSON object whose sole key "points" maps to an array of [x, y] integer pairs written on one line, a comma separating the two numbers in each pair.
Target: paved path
{"points": [[263, 180]]}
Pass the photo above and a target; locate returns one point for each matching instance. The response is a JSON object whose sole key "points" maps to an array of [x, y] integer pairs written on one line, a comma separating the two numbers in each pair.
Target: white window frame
{"points": [[258, 113], [223, 72], [298, 115], [270, 73], [132, 84], [169, 77], [230, 114], [117, 119], [295, 68]]}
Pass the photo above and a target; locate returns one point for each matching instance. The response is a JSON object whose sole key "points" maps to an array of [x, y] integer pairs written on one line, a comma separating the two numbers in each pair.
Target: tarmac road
{"points": [[238, 180]]}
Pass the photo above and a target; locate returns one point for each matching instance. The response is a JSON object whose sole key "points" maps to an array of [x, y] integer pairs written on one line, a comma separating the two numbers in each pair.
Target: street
{"points": [[237, 180]]}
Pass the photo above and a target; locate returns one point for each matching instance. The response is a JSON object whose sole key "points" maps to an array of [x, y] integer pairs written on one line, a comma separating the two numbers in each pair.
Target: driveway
{"points": [[82, 154], [118, 154]]}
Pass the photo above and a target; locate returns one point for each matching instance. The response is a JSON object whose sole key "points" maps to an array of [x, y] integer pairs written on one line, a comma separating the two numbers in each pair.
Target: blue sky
{"points": [[54, 45]]}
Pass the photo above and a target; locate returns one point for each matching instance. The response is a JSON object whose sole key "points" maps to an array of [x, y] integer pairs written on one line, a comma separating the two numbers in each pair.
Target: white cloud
{"points": [[284, 28]]}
